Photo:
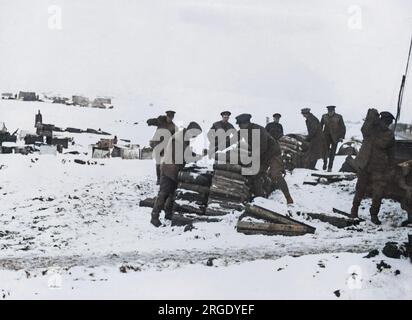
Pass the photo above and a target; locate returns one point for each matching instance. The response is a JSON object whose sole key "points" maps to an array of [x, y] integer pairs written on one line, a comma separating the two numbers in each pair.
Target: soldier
{"points": [[270, 154], [315, 138], [162, 123], [374, 161], [172, 162], [38, 119], [274, 128], [227, 127], [334, 131]]}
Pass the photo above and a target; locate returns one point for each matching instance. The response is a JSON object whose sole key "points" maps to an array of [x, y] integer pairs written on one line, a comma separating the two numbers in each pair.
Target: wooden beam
{"points": [[274, 217], [271, 228], [335, 221]]}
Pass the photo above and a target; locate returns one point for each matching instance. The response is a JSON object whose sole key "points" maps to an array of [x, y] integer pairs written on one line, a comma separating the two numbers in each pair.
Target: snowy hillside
{"points": [[79, 228]]}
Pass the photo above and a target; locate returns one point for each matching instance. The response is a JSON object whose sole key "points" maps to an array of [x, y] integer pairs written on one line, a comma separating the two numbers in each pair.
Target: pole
{"points": [[401, 90]]}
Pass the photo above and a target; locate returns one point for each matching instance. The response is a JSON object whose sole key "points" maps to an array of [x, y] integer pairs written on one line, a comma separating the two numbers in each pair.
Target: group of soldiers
{"points": [[323, 137]]}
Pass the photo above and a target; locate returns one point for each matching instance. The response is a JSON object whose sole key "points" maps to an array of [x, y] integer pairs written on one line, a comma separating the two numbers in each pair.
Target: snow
{"points": [[75, 220], [322, 276]]}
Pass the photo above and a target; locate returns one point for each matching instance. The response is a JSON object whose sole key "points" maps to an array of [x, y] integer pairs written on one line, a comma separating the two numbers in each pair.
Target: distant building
{"points": [[80, 101], [27, 96], [61, 100], [102, 103], [7, 96], [3, 128]]}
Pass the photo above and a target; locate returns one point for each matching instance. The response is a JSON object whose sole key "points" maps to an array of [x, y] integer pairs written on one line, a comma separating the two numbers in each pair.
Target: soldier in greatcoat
{"points": [[163, 122], [274, 128], [374, 162], [316, 139], [174, 159], [334, 130], [269, 154]]}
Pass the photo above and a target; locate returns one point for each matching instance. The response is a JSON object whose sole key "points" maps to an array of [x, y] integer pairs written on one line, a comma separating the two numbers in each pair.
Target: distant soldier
{"points": [[162, 123], [274, 128], [226, 126], [334, 130], [38, 120], [172, 162], [270, 154], [374, 161], [316, 139]]}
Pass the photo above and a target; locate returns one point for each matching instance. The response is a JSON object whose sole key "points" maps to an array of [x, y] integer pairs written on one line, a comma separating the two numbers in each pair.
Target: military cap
{"points": [[194, 125], [305, 110], [170, 112], [243, 118], [277, 115], [225, 113], [331, 107], [387, 115]]}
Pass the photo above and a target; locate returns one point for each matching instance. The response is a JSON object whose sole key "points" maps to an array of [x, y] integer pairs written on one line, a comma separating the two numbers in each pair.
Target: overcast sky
{"points": [[264, 55]]}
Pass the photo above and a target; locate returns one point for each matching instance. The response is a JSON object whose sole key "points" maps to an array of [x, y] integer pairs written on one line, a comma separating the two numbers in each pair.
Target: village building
{"points": [[27, 96], [103, 103], [61, 100], [7, 96], [80, 101]]}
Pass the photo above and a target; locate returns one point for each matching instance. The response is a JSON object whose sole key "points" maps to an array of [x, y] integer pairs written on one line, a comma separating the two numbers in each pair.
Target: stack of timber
{"points": [[192, 190], [293, 148], [229, 190], [270, 223]]}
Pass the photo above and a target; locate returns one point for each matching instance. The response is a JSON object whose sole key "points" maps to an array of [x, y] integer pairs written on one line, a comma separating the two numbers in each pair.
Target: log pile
{"points": [[293, 148], [192, 190], [228, 190], [270, 223]]}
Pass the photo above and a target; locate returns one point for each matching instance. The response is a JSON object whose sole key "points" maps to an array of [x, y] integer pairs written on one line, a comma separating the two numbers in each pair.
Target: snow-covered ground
{"points": [[76, 231]]}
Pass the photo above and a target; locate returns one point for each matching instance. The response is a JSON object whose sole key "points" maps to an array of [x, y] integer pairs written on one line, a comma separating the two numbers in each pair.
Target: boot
{"points": [[375, 219], [155, 220], [324, 165], [289, 199], [329, 169], [354, 212]]}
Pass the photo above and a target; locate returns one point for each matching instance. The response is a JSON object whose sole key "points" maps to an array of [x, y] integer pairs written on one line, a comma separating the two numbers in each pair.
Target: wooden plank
{"points": [[271, 228], [312, 183], [228, 167], [275, 217], [224, 195], [191, 196], [194, 178], [335, 221], [339, 176], [183, 220], [193, 187], [218, 177], [230, 188], [225, 204], [346, 214], [217, 211], [230, 175], [187, 208]]}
